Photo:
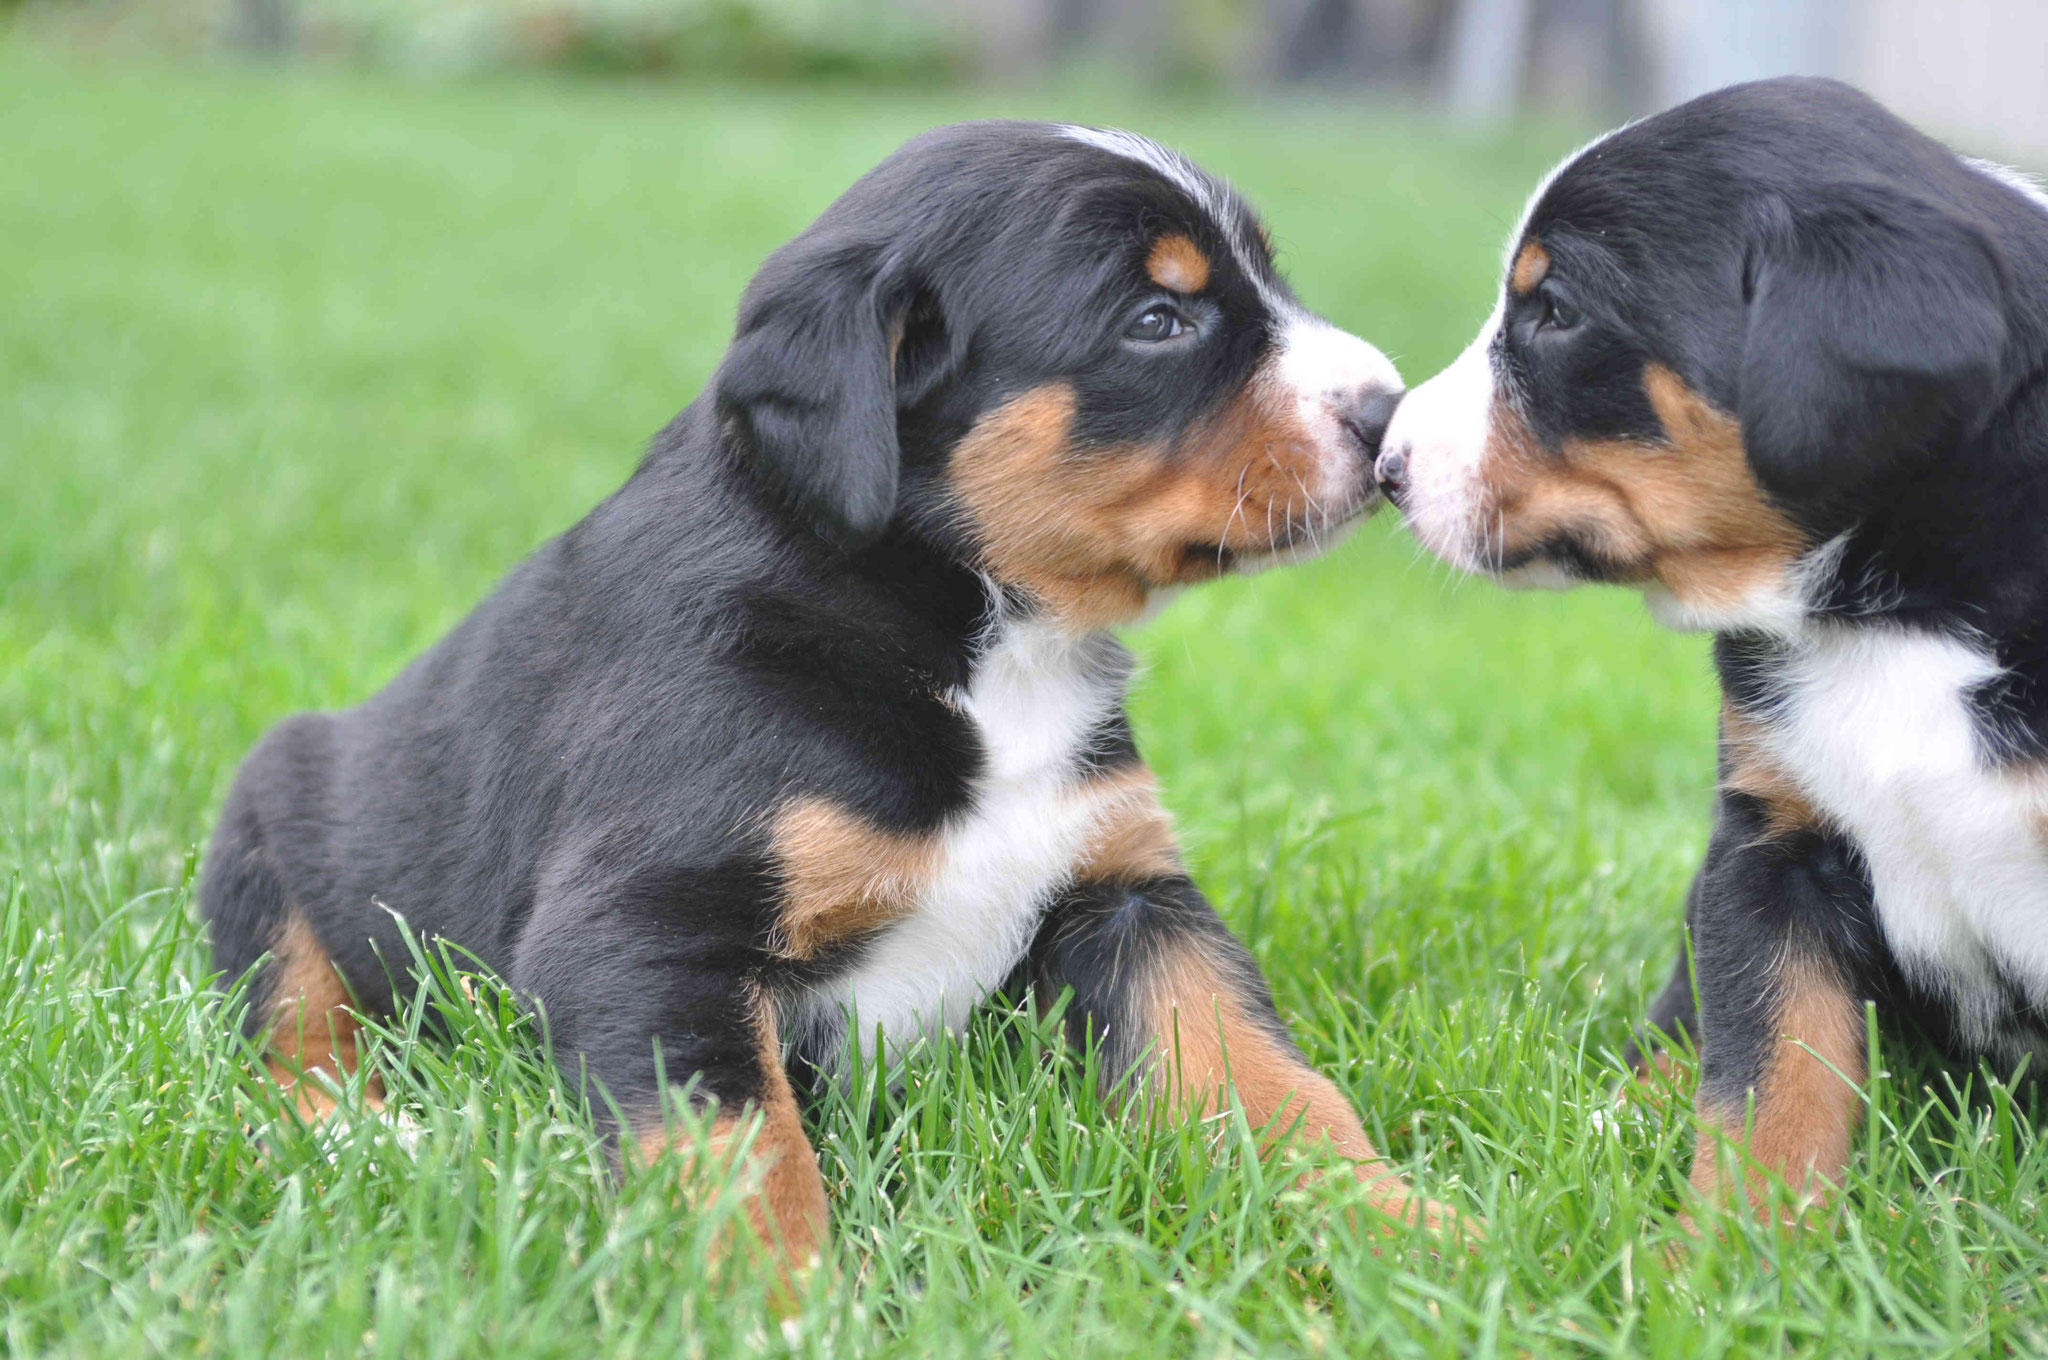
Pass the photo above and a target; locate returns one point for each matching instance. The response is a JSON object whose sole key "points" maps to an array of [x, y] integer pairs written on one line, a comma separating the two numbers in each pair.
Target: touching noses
{"points": [[1370, 425]]}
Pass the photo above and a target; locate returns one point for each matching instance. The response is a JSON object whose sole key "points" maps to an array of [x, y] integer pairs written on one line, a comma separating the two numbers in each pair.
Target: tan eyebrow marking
{"points": [[1179, 264], [1531, 264]]}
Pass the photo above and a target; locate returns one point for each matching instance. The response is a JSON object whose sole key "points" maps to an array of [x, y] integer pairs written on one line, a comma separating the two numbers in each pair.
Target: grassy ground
{"points": [[290, 371]]}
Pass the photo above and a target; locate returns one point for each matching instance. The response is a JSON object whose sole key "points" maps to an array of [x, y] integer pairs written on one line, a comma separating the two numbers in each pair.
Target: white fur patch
{"points": [[1036, 697], [2019, 181], [1876, 730]]}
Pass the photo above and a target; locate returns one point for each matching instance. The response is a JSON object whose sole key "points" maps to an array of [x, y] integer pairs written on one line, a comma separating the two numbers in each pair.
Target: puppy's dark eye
{"points": [[1157, 323], [1558, 313]]}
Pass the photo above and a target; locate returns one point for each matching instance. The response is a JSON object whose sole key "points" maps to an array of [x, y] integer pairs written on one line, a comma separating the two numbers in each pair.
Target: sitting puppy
{"points": [[1776, 358], [816, 720]]}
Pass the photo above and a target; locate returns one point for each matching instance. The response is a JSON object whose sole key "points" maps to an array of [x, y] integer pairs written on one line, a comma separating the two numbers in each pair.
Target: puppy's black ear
{"points": [[808, 389], [1876, 328]]}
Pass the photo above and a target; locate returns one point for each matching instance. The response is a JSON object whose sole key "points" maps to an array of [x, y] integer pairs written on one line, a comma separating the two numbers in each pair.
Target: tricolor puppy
{"points": [[1777, 359], [817, 718]]}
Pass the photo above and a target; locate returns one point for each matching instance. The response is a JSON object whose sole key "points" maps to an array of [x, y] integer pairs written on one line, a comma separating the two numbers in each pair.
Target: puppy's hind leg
{"points": [[628, 1007], [787, 1211], [311, 1034], [301, 1011]]}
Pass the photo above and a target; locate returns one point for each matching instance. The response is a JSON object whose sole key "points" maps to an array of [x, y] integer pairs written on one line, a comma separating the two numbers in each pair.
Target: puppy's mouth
{"points": [[1570, 551], [1296, 540]]}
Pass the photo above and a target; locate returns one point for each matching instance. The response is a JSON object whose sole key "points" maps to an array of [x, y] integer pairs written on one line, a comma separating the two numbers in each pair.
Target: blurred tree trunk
{"points": [[262, 26], [1487, 55], [1388, 44], [1581, 56]]}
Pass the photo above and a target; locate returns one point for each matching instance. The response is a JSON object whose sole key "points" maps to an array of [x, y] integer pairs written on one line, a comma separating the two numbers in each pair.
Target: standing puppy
{"points": [[818, 716], [1776, 358]]}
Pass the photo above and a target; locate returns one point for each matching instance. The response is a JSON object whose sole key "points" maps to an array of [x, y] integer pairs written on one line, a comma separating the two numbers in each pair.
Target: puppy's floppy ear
{"points": [[1876, 327], [808, 389]]}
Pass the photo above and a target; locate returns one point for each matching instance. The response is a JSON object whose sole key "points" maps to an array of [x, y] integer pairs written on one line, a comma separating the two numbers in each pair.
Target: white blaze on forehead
{"points": [[1183, 173], [1212, 197], [1550, 177]]}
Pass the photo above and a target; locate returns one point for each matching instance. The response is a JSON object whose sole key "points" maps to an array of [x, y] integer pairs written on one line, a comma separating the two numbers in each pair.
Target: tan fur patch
{"points": [[1209, 1046], [1133, 838], [789, 1213], [1751, 769], [841, 876], [1808, 1101], [311, 1032], [1179, 264], [1093, 532], [1686, 512], [1531, 264]]}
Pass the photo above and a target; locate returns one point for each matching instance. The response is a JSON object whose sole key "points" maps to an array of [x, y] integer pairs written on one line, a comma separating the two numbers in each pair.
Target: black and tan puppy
{"points": [[1777, 358], [817, 717]]}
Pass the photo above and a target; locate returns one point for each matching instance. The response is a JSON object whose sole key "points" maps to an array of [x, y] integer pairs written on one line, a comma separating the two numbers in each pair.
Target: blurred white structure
{"points": [[1701, 45], [1973, 71]]}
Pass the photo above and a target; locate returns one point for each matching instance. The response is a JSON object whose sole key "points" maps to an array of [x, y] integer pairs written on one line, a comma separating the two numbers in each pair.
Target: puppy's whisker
{"points": [[1236, 510]]}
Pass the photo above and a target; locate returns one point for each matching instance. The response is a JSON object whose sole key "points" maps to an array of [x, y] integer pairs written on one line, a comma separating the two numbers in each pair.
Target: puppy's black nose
{"points": [[1369, 422], [1390, 470]]}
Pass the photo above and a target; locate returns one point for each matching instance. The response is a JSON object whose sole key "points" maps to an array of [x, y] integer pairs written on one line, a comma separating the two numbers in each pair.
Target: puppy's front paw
{"points": [[1394, 1198]]}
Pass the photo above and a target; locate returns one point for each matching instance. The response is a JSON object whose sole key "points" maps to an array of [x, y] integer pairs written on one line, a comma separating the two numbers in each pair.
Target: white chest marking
{"points": [[1877, 730], [1036, 697]]}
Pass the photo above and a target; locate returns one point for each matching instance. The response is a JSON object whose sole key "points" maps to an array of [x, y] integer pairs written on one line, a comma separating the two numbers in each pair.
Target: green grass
{"points": [[292, 369]]}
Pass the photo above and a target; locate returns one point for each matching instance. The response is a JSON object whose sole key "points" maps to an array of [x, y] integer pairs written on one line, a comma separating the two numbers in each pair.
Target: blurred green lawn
{"points": [[292, 368]]}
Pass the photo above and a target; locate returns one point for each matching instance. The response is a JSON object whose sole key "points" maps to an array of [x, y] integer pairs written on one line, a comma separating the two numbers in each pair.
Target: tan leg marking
{"points": [[788, 1212], [1807, 1103], [841, 876], [1209, 1047], [1133, 840], [1178, 263], [311, 1031], [1748, 767]]}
